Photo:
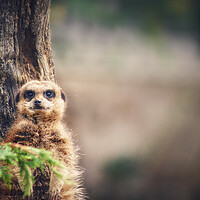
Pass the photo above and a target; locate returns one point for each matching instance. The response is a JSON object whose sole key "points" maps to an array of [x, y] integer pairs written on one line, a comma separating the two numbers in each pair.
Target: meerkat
{"points": [[40, 108]]}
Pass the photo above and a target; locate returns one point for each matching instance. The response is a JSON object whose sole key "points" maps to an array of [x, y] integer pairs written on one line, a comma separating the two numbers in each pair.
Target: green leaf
{"points": [[26, 159]]}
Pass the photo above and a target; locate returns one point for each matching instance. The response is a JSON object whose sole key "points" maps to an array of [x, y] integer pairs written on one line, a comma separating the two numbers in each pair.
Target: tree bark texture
{"points": [[25, 51]]}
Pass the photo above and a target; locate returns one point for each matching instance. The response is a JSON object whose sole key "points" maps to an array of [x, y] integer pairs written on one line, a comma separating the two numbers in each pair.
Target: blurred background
{"points": [[131, 71]]}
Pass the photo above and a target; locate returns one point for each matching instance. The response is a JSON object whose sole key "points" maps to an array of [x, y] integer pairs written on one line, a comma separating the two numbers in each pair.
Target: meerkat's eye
{"points": [[49, 94], [29, 94]]}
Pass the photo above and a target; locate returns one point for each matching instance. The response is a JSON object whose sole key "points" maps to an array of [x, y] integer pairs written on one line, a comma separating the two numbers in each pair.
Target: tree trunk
{"points": [[25, 51]]}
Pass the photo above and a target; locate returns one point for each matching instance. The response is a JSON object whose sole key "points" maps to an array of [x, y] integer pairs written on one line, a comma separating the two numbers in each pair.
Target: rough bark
{"points": [[25, 51]]}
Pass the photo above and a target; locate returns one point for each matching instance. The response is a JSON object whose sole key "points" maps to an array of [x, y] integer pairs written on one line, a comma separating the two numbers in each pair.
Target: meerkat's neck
{"points": [[38, 120]]}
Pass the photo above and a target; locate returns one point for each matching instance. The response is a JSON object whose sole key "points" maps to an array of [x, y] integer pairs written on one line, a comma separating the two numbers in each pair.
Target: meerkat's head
{"points": [[42, 100]]}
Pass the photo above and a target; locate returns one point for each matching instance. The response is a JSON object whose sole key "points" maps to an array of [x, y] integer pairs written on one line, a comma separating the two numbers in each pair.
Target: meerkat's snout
{"points": [[37, 104]]}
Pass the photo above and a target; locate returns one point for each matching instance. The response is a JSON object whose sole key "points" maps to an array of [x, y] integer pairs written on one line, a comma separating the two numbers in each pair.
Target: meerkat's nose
{"points": [[37, 102]]}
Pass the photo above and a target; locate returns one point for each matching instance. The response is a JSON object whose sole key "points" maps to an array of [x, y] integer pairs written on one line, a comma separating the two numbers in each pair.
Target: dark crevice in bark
{"points": [[7, 96]]}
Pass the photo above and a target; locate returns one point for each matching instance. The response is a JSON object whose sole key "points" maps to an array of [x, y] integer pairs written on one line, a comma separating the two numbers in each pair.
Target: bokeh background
{"points": [[131, 70]]}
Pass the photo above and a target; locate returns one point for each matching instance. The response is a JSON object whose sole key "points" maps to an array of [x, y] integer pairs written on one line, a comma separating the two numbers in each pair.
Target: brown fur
{"points": [[42, 128]]}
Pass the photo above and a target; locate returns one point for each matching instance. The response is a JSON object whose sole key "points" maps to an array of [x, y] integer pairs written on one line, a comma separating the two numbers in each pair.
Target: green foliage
{"points": [[148, 15], [120, 168], [25, 159]]}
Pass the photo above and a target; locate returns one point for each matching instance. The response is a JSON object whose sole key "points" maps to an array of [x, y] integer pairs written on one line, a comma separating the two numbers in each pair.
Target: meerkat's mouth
{"points": [[38, 107]]}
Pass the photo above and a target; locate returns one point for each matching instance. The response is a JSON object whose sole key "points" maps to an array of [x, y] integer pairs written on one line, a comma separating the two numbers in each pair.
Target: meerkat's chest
{"points": [[37, 136]]}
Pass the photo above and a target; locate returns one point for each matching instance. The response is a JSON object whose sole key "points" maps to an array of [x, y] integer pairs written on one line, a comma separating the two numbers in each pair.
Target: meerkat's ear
{"points": [[62, 96], [17, 98]]}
